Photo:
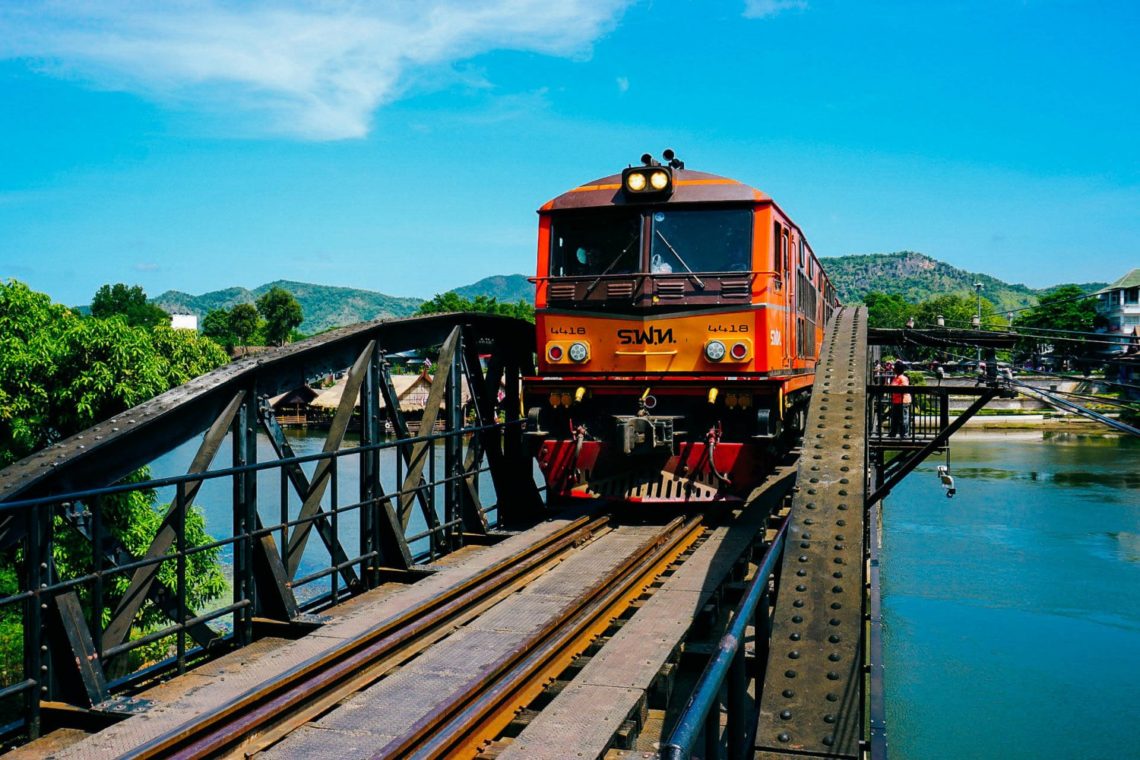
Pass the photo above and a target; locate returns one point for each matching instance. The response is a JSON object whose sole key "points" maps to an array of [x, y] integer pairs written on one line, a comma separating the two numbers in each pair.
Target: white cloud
{"points": [[766, 8], [316, 69], [623, 84]]}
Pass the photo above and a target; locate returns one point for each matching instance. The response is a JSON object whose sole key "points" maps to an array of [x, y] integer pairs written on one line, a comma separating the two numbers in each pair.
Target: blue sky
{"points": [[199, 145]]}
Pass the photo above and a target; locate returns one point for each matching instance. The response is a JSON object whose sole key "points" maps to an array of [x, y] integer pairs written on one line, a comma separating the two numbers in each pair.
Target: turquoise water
{"points": [[1013, 610], [215, 497]]}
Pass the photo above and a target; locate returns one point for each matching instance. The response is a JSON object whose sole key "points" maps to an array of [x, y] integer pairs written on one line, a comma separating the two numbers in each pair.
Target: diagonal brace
{"points": [[935, 443]]}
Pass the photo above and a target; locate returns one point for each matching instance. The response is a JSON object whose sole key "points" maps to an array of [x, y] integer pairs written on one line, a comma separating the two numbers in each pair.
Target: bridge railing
{"points": [[920, 419], [726, 672], [102, 601], [111, 578]]}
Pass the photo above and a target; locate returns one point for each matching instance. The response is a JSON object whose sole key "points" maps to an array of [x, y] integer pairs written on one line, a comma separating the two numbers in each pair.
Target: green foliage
{"points": [[243, 322], [216, 326], [887, 309], [453, 302], [1064, 308], [135, 518], [128, 302], [957, 311], [281, 313], [59, 374]]}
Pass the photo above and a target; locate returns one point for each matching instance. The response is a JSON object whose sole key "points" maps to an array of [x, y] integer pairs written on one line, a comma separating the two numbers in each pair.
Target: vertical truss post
{"points": [[370, 488], [484, 393], [244, 434], [522, 498], [453, 446], [37, 559]]}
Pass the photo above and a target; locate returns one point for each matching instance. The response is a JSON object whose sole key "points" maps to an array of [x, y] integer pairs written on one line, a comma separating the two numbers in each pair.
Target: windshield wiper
{"points": [[673, 250], [613, 263]]}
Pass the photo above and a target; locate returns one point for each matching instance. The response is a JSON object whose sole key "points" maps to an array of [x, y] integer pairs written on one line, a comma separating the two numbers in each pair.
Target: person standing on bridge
{"points": [[900, 403]]}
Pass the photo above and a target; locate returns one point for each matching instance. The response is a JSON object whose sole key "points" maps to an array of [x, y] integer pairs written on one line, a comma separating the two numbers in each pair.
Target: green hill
{"points": [[324, 306], [912, 275], [917, 277], [505, 288]]}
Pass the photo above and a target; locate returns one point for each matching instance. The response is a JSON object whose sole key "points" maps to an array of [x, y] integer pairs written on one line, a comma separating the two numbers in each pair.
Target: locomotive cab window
{"points": [[700, 241], [592, 244]]}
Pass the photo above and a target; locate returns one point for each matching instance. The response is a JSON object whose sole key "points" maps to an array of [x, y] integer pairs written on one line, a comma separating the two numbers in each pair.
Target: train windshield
{"points": [[592, 244], [701, 241]]}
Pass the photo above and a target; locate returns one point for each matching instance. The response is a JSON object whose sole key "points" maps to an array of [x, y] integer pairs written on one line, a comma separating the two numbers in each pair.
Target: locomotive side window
{"points": [[701, 241], [776, 258], [587, 245]]}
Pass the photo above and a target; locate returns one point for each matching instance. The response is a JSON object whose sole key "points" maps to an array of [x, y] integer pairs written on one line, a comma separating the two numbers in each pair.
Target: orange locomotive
{"points": [[679, 317]]}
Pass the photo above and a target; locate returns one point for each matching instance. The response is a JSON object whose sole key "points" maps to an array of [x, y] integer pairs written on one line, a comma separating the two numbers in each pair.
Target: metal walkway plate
{"points": [[812, 699]]}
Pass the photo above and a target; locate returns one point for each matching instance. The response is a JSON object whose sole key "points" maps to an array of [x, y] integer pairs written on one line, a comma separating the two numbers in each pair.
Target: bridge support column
{"points": [[453, 448], [244, 443]]}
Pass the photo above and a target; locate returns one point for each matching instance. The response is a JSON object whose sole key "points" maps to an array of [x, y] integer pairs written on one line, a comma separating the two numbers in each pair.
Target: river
{"points": [[1013, 610]]}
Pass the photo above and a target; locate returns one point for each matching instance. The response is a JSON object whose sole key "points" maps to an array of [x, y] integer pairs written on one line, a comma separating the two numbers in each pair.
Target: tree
{"points": [[243, 322], [453, 302], [1066, 308], [128, 302], [216, 326], [887, 309], [61, 373], [281, 312]]}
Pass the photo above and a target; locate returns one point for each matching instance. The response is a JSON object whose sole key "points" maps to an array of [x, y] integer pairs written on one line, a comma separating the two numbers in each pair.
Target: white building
{"points": [[1119, 304], [184, 322]]}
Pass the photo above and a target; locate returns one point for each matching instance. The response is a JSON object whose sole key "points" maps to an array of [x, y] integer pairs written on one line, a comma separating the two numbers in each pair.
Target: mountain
{"points": [[917, 277], [505, 288], [324, 306], [914, 276]]}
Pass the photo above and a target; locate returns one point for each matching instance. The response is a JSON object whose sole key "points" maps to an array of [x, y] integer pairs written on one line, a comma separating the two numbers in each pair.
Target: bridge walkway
{"points": [[216, 684]]}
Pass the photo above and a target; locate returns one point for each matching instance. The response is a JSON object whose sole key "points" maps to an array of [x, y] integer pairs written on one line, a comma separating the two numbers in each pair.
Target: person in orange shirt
{"points": [[900, 403]]}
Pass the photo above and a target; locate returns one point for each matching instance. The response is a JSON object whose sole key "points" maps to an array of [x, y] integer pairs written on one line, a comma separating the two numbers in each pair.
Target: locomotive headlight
{"points": [[647, 182], [579, 352], [714, 350]]}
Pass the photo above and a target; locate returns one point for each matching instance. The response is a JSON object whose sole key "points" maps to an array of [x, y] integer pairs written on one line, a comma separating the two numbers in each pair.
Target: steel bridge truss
{"points": [[83, 625]]}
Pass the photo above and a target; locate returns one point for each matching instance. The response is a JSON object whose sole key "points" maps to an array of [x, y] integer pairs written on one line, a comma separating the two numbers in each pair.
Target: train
{"points": [[679, 317]]}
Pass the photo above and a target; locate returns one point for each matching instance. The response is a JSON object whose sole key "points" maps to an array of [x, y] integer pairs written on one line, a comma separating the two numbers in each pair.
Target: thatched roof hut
{"points": [[411, 390]]}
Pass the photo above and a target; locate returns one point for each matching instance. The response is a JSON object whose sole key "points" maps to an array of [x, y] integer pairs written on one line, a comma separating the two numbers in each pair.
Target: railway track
{"points": [[260, 719]]}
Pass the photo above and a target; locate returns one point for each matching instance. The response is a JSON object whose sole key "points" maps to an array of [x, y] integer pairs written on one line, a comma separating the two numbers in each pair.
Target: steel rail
{"points": [[265, 705], [474, 717]]}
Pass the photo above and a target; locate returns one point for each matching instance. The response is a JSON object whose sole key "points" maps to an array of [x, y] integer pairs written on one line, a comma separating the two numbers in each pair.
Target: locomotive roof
{"points": [[688, 187]]}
